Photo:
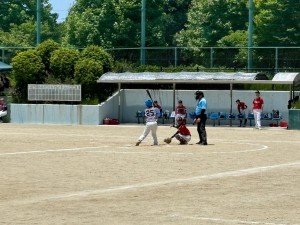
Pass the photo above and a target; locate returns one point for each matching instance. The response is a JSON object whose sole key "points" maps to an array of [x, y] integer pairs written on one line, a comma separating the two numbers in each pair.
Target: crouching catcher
{"points": [[183, 135]]}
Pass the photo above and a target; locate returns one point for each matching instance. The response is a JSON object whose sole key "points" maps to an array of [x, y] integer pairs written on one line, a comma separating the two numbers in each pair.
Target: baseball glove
{"points": [[168, 140]]}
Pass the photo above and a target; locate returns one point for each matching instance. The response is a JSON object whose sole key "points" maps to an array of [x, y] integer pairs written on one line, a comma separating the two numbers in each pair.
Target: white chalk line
{"points": [[52, 150], [175, 182], [227, 220], [260, 147]]}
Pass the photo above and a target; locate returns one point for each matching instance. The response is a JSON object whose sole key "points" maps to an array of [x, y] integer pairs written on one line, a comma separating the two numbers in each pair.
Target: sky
{"points": [[61, 7]]}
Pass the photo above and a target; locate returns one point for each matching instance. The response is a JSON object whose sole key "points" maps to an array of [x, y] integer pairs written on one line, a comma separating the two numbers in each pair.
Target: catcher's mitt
{"points": [[168, 140]]}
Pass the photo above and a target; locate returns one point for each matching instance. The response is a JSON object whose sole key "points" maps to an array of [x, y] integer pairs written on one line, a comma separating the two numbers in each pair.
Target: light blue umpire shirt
{"points": [[201, 104]]}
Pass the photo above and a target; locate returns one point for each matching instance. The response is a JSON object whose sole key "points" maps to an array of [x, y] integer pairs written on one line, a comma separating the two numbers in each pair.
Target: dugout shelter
{"points": [[230, 78], [4, 66]]}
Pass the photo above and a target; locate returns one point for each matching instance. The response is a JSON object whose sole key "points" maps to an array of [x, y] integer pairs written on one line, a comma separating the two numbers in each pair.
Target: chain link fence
{"points": [[266, 59]]}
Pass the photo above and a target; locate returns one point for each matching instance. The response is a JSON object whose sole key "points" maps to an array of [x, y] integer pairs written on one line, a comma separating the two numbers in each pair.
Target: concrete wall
{"points": [[133, 100], [54, 114], [218, 101]]}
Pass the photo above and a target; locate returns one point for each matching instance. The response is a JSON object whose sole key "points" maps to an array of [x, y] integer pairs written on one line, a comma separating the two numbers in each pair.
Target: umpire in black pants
{"points": [[201, 117]]}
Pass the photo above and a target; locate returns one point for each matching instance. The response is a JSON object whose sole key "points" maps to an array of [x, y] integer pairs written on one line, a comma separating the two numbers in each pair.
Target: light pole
{"points": [[143, 32], [38, 21], [250, 34]]}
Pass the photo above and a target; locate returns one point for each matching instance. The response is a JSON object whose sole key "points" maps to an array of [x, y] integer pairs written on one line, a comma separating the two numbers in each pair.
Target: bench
{"points": [[266, 116], [214, 116], [140, 115]]}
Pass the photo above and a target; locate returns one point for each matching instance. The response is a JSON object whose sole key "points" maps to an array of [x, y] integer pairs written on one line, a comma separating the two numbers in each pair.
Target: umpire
{"points": [[201, 117]]}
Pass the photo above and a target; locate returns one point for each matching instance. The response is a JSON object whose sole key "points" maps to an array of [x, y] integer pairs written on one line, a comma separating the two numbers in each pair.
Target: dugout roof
{"points": [[293, 78], [200, 77], [183, 77]]}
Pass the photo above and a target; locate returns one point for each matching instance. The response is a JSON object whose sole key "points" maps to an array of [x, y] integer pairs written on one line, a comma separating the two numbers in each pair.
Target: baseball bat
{"points": [[148, 92]]}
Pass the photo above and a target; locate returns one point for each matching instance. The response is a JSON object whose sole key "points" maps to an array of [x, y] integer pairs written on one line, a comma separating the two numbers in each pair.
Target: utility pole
{"points": [[250, 34], [143, 31], [38, 21]]}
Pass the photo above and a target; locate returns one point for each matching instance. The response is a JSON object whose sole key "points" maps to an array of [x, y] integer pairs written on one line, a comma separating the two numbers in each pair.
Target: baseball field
{"points": [[54, 174]]}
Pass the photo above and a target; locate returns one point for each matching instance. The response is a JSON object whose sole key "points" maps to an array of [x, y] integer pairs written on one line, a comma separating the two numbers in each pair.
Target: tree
{"points": [[117, 23], [28, 68], [97, 53], [45, 50], [63, 62], [237, 57], [277, 23], [18, 23], [94, 61], [87, 71], [209, 21]]}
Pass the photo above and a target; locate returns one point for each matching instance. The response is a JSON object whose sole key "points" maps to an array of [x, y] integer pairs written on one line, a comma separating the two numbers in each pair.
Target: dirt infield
{"points": [[96, 175]]}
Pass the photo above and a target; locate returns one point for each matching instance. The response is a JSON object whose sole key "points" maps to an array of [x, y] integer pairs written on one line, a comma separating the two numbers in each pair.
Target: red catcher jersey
{"points": [[257, 103], [184, 130]]}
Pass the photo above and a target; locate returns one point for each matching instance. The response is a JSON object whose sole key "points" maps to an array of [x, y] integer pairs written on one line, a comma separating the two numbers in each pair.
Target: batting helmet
{"points": [[148, 103]]}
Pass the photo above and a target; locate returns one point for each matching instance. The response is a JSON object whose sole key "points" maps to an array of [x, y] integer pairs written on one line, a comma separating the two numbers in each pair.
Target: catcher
{"points": [[183, 135]]}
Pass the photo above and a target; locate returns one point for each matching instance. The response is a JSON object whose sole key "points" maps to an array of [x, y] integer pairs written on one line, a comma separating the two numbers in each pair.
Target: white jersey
{"points": [[151, 114]]}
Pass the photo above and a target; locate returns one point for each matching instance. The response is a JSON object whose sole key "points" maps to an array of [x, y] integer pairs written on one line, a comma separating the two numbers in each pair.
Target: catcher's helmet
{"points": [[148, 103], [179, 118]]}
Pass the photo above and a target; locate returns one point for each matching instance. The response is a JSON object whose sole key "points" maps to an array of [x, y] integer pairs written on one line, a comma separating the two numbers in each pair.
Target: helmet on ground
{"points": [[148, 103]]}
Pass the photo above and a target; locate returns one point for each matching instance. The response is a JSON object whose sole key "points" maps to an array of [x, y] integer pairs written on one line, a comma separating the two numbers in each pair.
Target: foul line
{"points": [[227, 220], [51, 150], [179, 181]]}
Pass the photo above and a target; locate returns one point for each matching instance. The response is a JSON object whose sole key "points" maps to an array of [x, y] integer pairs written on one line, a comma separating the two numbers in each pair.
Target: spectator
{"points": [[156, 105], [241, 107], [180, 111], [3, 108]]}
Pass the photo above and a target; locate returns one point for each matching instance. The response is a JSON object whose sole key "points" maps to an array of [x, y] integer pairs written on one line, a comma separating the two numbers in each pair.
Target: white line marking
{"points": [[179, 181], [228, 221], [261, 147], [146, 153], [51, 150]]}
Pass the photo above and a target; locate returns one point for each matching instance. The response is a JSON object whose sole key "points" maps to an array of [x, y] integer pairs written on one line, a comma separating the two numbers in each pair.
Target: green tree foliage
{"points": [[19, 35], [63, 62], [235, 39], [18, 22], [45, 50], [52, 64], [28, 68], [97, 53], [209, 21], [277, 23], [117, 23], [87, 71], [94, 61]]}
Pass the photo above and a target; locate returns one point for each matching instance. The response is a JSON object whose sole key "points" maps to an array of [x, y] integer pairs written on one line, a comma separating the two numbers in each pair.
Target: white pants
{"points": [[187, 138], [257, 114], [3, 113], [150, 126]]}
